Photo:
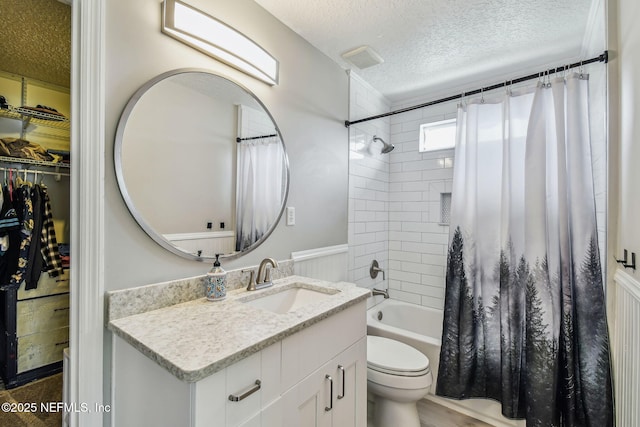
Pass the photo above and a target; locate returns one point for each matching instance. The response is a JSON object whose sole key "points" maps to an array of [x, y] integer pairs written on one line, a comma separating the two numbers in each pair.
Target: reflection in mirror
{"points": [[201, 164]]}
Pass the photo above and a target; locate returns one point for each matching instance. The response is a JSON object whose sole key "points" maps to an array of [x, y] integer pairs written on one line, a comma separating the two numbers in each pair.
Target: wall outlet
{"points": [[209, 225], [222, 226], [291, 215]]}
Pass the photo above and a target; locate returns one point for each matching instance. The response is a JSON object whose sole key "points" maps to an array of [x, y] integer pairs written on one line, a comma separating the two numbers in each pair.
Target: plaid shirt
{"points": [[49, 248]]}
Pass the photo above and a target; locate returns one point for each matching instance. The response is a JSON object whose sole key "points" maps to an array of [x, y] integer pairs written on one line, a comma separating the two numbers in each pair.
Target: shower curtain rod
{"points": [[256, 137], [604, 57]]}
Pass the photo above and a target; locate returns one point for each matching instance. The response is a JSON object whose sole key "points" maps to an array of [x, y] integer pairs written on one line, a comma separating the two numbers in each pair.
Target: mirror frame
{"points": [[156, 236]]}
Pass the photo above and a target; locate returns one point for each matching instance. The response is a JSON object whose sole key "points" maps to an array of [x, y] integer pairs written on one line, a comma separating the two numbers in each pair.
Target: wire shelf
{"points": [[36, 117], [5, 159]]}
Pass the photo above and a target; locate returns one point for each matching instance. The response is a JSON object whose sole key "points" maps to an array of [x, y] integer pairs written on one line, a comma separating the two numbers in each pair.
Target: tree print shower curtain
{"points": [[524, 319]]}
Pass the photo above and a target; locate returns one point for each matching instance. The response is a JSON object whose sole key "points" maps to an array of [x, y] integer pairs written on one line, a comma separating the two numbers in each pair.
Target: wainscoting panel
{"points": [[206, 243], [626, 350], [329, 263]]}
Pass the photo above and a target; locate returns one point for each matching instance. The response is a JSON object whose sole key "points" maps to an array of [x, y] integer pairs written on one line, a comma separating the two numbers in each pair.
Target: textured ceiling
{"points": [[36, 39], [431, 45]]}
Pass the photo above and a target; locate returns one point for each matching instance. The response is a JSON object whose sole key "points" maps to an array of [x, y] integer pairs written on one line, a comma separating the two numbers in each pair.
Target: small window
{"points": [[438, 135]]}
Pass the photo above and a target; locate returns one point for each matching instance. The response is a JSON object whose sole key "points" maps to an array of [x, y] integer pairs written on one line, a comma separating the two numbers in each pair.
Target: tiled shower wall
{"points": [[368, 185], [417, 239]]}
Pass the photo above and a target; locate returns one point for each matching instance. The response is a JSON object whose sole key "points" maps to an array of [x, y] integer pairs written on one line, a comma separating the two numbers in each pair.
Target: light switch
{"points": [[291, 215]]}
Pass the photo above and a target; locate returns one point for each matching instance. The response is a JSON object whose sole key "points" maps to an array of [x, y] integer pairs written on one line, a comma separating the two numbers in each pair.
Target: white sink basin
{"points": [[289, 298]]}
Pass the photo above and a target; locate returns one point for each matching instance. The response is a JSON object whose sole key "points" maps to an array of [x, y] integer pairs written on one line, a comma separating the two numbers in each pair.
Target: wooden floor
{"points": [[433, 415]]}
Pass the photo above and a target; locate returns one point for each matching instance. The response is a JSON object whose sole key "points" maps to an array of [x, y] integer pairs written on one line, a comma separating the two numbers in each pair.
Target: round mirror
{"points": [[201, 164]]}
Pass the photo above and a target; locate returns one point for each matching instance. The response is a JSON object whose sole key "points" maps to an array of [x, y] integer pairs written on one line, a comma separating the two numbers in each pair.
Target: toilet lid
{"points": [[395, 358]]}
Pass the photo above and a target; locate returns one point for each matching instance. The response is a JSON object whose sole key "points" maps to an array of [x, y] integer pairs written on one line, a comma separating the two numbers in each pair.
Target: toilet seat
{"points": [[395, 358]]}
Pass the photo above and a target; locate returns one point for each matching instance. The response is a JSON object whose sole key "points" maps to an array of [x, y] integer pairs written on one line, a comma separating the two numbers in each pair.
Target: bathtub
{"points": [[421, 328]]}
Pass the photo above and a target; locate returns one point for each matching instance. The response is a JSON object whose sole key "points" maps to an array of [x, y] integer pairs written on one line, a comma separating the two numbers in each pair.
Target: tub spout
{"points": [[384, 293]]}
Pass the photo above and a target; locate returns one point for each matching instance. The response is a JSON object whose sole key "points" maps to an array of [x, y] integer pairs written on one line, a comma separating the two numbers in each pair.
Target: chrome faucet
{"points": [[263, 278], [384, 293]]}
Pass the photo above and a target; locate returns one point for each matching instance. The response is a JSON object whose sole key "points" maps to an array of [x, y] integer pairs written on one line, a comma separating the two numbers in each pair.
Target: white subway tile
{"points": [[406, 196], [405, 236], [417, 165], [364, 216], [408, 116], [401, 256], [422, 227], [415, 206], [436, 281], [395, 168], [378, 247], [413, 126], [405, 296], [377, 185], [395, 187], [382, 236], [359, 227], [430, 291], [413, 186], [394, 284], [375, 226], [401, 156], [406, 176], [431, 302], [373, 205], [364, 238], [395, 206], [413, 267], [440, 260], [406, 276], [405, 216], [359, 204], [396, 246], [425, 248], [443, 239], [362, 262], [438, 174], [395, 226], [357, 250]]}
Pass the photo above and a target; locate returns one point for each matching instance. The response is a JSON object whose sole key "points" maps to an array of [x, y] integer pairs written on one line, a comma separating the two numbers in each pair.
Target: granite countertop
{"points": [[195, 339]]}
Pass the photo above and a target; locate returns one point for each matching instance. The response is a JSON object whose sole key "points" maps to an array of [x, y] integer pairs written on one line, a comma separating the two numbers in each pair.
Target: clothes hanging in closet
{"points": [[32, 247]]}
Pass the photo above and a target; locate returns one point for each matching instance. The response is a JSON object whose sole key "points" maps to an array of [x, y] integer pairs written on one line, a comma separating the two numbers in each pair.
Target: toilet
{"points": [[398, 375]]}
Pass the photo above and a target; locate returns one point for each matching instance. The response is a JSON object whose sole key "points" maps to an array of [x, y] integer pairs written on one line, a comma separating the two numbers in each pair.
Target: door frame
{"points": [[86, 368]]}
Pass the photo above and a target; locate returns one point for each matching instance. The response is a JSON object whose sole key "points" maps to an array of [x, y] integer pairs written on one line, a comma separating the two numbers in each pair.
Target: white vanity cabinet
{"points": [[334, 395], [145, 394], [294, 388], [324, 372], [211, 405]]}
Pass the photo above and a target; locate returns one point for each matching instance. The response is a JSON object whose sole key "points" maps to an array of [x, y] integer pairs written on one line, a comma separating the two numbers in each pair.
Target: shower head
{"points": [[386, 148]]}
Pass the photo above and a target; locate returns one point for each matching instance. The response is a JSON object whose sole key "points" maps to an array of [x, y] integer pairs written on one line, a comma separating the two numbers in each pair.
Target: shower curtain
{"points": [[524, 319], [259, 189]]}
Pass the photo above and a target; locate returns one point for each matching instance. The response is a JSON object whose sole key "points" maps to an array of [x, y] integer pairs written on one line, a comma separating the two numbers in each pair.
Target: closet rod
{"points": [[256, 137], [31, 171], [604, 57]]}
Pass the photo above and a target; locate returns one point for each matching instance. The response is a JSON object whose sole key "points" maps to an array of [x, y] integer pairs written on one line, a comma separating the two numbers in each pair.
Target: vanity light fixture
{"points": [[218, 40]]}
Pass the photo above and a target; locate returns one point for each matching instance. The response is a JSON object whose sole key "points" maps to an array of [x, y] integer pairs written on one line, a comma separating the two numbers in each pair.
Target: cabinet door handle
{"points": [[255, 387], [330, 407], [340, 396]]}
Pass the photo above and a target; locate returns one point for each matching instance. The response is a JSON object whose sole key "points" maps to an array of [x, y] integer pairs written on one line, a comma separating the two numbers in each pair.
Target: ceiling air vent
{"points": [[363, 57]]}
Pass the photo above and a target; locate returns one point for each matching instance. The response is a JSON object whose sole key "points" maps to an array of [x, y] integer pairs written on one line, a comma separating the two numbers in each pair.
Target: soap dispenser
{"points": [[216, 282]]}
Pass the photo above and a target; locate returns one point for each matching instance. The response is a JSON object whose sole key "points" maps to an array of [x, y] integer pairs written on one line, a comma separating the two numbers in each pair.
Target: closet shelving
{"points": [[34, 122], [34, 324], [38, 123], [4, 159]]}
